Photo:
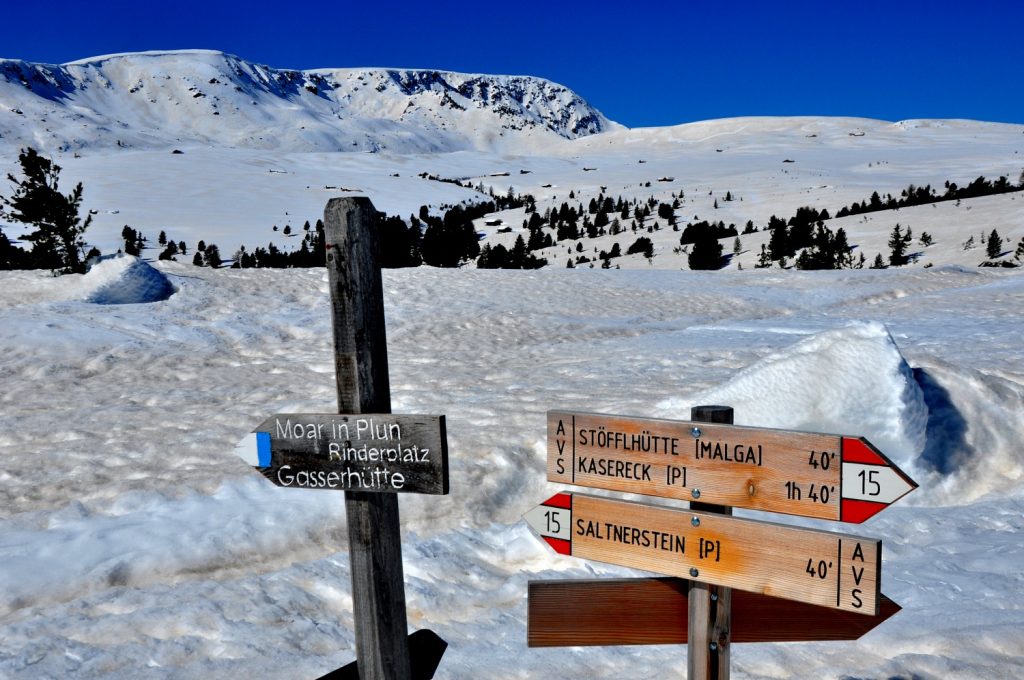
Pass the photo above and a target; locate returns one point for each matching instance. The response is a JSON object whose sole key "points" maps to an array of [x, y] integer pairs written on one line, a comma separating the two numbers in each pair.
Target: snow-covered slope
{"points": [[200, 97], [135, 544]]}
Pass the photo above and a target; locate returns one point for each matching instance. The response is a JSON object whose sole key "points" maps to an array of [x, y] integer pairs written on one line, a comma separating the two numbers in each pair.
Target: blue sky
{"points": [[641, 63]]}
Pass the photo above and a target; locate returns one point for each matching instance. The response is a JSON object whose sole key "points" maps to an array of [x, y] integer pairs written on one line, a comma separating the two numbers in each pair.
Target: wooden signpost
{"points": [[362, 450], [817, 567], [832, 477], [790, 583]]}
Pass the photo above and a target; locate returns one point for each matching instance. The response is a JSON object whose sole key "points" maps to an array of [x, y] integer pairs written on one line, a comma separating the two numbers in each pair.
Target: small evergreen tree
{"points": [[212, 255], [898, 242], [57, 242], [1019, 253], [994, 247], [926, 239], [11, 256], [778, 243], [879, 263], [642, 245]]}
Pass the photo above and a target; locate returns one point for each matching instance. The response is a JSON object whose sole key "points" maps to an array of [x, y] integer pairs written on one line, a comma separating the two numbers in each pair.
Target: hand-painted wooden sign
{"points": [[817, 567], [824, 476], [653, 611], [366, 452]]}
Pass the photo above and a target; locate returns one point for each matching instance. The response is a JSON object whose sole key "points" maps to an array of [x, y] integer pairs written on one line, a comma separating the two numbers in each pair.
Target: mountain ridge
{"points": [[157, 99]]}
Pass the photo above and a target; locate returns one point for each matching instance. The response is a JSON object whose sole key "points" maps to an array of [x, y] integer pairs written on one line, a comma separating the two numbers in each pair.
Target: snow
{"points": [[136, 544], [851, 379], [124, 279]]}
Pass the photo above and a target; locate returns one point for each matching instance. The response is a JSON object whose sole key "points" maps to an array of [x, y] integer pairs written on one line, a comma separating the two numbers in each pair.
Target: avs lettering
{"points": [[801, 473], [817, 567]]}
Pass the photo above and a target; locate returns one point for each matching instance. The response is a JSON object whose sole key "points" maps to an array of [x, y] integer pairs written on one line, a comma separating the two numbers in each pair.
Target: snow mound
{"points": [[124, 279], [851, 380]]}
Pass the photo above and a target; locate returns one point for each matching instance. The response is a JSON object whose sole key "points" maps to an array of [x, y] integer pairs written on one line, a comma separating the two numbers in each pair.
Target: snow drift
{"points": [[851, 380], [124, 279]]}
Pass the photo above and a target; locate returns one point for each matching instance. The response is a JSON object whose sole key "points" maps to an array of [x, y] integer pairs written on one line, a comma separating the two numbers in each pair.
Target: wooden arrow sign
{"points": [[824, 476], [653, 611], [817, 567], [367, 452]]}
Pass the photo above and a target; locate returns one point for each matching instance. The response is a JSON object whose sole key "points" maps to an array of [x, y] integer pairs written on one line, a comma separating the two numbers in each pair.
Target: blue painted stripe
{"points": [[263, 448]]}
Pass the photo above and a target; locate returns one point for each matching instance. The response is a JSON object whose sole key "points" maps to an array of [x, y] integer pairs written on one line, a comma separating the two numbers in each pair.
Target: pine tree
{"points": [[11, 256], [57, 242], [778, 242], [212, 255], [162, 238], [737, 247], [1019, 253], [707, 250], [879, 263], [994, 248], [898, 243]]}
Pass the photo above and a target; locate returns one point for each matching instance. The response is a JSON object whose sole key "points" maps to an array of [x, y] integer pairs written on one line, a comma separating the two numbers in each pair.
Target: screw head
{"points": [[696, 493], [694, 572], [695, 521], [695, 431]]}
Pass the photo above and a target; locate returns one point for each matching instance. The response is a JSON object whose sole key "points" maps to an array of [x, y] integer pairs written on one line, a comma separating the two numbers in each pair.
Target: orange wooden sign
{"points": [[823, 476], [816, 567]]}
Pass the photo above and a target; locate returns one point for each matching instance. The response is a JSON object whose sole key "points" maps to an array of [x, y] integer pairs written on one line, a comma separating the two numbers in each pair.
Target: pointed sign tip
{"points": [[559, 500], [860, 450]]}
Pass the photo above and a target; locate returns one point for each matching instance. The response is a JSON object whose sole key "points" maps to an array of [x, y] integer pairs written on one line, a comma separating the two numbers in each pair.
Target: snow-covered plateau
{"points": [[135, 544]]}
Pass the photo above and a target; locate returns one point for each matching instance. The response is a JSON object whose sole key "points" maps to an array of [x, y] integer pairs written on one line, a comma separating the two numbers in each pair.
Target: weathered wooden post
{"points": [[360, 356], [710, 606]]}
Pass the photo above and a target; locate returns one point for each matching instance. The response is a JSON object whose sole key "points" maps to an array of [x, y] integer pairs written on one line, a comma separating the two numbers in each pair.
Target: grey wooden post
{"points": [[708, 643], [361, 361]]}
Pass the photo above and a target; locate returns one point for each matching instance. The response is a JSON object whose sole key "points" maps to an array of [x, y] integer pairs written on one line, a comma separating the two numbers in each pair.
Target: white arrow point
{"points": [[876, 483], [550, 522]]}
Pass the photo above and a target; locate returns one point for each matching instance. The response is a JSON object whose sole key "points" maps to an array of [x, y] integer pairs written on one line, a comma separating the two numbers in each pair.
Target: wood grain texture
{"points": [[360, 354], [818, 567], [755, 468], [653, 611]]}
